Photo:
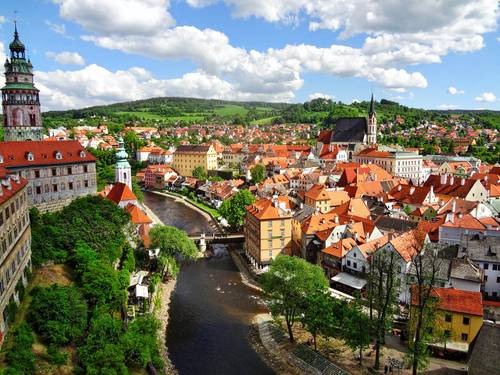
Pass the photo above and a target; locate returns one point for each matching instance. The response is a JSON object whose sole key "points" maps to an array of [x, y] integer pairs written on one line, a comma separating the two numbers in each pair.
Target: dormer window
{"points": [[58, 155], [1, 158], [30, 156], [82, 154]]}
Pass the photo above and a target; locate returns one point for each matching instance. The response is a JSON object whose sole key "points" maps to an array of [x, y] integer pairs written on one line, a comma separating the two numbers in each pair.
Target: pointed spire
{"points": [[371, 112]]}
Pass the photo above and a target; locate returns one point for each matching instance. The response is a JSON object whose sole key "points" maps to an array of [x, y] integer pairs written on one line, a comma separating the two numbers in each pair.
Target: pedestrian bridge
{"points": [[217, 237]]}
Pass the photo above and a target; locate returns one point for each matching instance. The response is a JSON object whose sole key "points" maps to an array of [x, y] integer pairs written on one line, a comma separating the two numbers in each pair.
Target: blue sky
{"points": [[446, 54]]}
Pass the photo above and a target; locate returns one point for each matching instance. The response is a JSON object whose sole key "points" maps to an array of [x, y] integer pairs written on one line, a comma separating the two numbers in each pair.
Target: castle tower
{"points": [[22, 119], [123, 172], [372, 124]]}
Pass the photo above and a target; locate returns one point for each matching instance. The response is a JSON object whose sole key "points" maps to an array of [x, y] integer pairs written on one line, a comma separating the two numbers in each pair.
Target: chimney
{"points": [[454, 206], [400, 187], [444, 178], [412, 190], [336, 219], [462, 181], [452, 180]]}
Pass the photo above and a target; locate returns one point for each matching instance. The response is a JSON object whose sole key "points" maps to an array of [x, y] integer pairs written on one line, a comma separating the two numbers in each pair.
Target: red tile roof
{"points": [[11, 187], [455, 300], [121, 192], [15, 154], [137, 216]]}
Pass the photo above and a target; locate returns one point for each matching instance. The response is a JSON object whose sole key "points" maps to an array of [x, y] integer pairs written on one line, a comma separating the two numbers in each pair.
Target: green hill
{"points": [[185, 111]]}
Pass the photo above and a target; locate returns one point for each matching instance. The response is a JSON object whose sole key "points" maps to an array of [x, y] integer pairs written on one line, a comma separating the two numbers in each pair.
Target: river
{"points": [[211, 309]]}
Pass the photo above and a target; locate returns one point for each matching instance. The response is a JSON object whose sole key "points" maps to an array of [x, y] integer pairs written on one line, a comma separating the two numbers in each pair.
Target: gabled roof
{"points": [[11, 186], [29, 153], [455, 300], [137, 216], [484, 358], [409, 194], [269, 209], [409, 243], [121, 193], [350, 130], [341, 248]]}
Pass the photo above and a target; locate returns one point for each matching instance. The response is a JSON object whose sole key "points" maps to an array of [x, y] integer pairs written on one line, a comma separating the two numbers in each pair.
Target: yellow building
{"points": [[15, 243], [459, 318], [189, 157], [268, 230]]}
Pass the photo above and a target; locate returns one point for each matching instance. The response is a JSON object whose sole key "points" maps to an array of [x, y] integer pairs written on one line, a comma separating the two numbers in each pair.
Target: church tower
{"points": [[123, 172], [20, 101], [372, 124]]}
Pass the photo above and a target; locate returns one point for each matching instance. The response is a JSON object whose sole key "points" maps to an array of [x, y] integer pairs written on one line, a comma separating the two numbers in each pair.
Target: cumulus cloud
{"points": [[96, 85], [318, 95], [454, 91], [432, 29], [70, 58], [486, 97], [2, 19], [125, 17]]}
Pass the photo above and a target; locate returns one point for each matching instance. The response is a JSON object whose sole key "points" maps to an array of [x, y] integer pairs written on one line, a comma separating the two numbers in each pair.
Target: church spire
{"points": [[16, 47], [371, 112]]}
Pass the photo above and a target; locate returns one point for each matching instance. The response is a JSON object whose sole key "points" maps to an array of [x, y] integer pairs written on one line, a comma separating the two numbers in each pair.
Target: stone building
{"points": [[22, 119], [15, 242], [57, 172]]}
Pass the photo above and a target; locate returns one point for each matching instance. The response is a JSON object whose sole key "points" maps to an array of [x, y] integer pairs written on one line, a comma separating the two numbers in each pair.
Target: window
{"points": [[465, 336], [498, 279], [447, 318], [355, 265], [86, 183], [270, 253], [282, 243], [466, 321], [54, 172], [270, 243], [38, 190], [495, 267], [349, 263], [54, 188], [485, 278], [70, 171], [485, 266], [37, 174], [85, 169], [494, 294], [1, 218], [70, 185]]}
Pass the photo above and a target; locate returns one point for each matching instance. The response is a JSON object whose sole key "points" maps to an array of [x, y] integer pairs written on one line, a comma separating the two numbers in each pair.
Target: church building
{"points": [[356, 133], [57, 171]]}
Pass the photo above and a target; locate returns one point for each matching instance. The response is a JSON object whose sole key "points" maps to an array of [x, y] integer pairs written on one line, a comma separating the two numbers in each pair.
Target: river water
{"points": [[211, 309]]}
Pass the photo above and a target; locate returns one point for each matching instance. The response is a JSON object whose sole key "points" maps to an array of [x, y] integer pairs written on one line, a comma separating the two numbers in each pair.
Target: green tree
{"points": [[58, 314], [258, 173], [20, 358], [383, 286], [199, 173], [102, 352], [172, 241], [423, 329], [357, 328], [140, 342], [318, 314], [288, 282], [233, 209], [101, 285]]}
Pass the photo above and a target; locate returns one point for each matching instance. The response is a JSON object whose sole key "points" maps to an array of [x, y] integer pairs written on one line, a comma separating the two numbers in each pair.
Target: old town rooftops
{"points": [[455, 300], [270, 209], [28, 153]]}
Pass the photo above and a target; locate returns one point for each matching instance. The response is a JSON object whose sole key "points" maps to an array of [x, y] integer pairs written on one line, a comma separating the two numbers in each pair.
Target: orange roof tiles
{"points": [[266, 209], [121, 192], [409, 243], [137, 216], [455, 300]]}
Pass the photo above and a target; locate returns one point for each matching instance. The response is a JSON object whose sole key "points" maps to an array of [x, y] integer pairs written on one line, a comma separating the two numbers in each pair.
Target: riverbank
{"points": [[162, 314], [184, 200]]}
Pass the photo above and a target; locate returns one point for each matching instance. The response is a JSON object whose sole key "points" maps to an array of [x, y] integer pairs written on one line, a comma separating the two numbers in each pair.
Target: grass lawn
{"points": [[264, 121], [231, 110]]}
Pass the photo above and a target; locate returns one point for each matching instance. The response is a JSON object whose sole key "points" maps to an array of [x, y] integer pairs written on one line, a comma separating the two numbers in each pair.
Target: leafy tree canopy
{"points": [[258, 173], [172, 241], [233, 209]]}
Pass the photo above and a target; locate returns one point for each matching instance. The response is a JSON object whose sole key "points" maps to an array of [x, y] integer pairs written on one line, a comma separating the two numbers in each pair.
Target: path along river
{"points": [[210, 310]]}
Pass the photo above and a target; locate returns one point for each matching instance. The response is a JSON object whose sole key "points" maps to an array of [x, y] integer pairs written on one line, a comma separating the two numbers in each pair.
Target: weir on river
{"points": [[211, 309]]}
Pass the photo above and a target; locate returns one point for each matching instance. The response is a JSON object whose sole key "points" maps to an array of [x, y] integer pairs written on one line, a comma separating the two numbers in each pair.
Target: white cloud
{"points": [[317, 95], [57, 28], [70, 58], [124, 17], [486, 97], [2, 20], [447, 106], [454, 91], [96, 85]]}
